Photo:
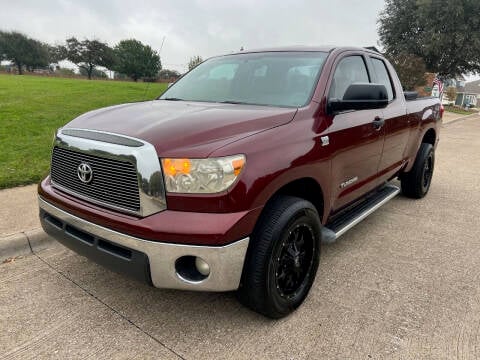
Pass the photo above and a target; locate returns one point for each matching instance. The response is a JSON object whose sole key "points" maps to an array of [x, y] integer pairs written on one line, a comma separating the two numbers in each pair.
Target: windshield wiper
{"points": [[234, 102], [172, 99]]}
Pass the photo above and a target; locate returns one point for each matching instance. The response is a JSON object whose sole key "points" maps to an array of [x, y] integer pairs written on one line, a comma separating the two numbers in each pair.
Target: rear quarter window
{"points": [[383, 77]]}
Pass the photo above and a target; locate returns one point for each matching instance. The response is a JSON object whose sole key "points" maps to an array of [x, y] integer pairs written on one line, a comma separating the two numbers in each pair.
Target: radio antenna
{"points": [[161, 46], [148, 84]]}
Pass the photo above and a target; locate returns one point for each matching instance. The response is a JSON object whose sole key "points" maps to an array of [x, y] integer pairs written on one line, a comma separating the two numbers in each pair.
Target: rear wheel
{"points": [[282, 258], [416, 183]]}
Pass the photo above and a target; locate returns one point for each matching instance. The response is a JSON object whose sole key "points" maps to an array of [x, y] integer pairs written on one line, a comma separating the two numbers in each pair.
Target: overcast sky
{"points": [[197, 27]]}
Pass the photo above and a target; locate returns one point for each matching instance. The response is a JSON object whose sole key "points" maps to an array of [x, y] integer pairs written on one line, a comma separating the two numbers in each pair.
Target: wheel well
{"points": [[306, 188], [430, 137]]}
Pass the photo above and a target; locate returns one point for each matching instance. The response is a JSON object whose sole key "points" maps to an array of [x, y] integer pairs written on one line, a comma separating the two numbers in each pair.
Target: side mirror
{"points": [[410, 95], [361, 96], [169, 84]]}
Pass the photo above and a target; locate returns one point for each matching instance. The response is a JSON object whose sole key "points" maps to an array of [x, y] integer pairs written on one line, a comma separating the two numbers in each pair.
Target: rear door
{"points": [[357, 142], [397, 122]]}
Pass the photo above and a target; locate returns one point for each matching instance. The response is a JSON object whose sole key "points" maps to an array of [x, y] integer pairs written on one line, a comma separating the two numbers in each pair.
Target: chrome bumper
{"points": [[226, 262]]}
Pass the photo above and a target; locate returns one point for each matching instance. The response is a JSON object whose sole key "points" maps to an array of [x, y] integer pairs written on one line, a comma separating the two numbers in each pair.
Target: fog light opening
{"points": [[192, 268]]}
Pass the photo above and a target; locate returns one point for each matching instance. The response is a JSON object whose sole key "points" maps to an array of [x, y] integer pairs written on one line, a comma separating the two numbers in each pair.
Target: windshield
{"points": [[268, 78]]}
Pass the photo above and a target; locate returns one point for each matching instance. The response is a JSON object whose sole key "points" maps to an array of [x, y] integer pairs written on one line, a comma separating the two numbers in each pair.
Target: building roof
{"points": [[473, 87]]}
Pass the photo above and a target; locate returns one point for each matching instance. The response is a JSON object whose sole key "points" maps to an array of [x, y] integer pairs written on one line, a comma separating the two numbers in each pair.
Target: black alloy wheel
{"points": [[428, 172], [416, 183], [294, 261], [282, 257]]}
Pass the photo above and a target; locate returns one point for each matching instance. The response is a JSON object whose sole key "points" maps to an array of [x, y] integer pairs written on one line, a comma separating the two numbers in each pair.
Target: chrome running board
{"points": [[339, 226]]}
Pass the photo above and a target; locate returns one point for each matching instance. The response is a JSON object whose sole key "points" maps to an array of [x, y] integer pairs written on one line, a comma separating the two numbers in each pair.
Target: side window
{"points": [[349, 70], [382, 76]]}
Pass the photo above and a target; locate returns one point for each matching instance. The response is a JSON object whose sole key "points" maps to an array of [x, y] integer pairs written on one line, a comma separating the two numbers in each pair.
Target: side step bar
{"points": [[333, 230]]}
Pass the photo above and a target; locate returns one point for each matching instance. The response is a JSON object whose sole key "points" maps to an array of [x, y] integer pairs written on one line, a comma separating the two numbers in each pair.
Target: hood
{"points": [[184, 129]]}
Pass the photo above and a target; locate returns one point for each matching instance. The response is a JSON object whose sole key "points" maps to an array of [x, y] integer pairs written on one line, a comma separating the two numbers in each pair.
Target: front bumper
{"points": [[150, 261]]}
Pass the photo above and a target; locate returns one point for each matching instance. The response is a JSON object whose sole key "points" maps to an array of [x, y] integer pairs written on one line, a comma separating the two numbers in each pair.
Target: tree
{"points": [[39, 55], [96, 73], [136, 60], [23, 51], [88, 54], [166, 74], [451, 93], [194, 61], [445, 34], [56, 53], [410, 70]]}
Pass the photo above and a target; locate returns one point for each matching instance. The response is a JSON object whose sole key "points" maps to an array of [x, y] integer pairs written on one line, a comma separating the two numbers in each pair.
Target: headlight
{"points": [[201, 176]]}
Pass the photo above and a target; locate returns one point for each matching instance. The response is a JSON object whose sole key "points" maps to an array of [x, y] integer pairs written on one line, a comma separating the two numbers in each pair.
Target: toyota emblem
{"points": [[85, 173]]}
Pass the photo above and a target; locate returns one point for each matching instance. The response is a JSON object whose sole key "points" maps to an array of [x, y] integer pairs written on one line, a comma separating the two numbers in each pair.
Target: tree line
{"points": [[438, 36], [130, 58]]}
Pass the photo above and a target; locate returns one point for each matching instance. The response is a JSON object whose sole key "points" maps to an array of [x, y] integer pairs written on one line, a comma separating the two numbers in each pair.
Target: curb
{"points": [[24, 243], [460, 118]]}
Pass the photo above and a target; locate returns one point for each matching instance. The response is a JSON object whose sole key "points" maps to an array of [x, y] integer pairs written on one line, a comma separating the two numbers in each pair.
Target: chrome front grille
{"points": [[110, 170], [113, 182]]}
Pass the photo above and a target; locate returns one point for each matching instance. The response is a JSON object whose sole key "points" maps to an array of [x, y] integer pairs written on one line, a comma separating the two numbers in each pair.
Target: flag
{"points": [[439, 83]]}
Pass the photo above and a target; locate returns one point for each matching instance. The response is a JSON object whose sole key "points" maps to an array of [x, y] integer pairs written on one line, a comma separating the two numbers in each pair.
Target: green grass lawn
{"points": [[459, 110], [32, 107]]}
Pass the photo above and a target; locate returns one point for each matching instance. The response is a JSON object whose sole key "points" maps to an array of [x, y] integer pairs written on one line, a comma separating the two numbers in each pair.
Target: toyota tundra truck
{"points": [[237, 174]]}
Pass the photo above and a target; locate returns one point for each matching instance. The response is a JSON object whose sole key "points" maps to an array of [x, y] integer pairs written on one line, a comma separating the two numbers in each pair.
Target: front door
{"points": [[354, 136]]}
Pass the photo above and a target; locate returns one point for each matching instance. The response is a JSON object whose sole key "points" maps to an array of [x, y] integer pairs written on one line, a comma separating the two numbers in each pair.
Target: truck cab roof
{"points": [[305, 48]]}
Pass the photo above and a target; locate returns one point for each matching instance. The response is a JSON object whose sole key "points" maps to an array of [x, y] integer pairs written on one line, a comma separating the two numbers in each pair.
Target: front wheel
{"points": [[416, 183], [282, 258]]}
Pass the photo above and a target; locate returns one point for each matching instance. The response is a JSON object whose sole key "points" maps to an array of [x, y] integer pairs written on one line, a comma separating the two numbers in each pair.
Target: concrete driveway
{"points": [[405, 283]]}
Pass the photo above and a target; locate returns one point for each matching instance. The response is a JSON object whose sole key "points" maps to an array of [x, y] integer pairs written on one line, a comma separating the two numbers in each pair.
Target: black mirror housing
{"points": [[410, 95], [361, 96]]}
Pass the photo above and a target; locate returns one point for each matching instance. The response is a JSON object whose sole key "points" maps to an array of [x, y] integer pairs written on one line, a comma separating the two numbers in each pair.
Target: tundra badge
{"points": [[348, 182]]}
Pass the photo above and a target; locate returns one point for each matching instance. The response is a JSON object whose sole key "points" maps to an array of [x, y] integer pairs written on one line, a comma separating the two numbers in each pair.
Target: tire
{"points": [[416, 183], [282, 258]]}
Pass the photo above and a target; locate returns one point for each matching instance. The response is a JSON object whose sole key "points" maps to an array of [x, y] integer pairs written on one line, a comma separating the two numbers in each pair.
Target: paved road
{"points": [[405, 283]]}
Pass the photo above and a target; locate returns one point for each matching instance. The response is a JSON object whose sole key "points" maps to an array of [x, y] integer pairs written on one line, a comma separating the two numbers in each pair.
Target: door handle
{"points": [[378, 123]]}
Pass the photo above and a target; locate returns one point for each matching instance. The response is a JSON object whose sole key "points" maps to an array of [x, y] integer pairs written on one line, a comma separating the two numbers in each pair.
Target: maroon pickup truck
{"points": [[233, 178]]}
